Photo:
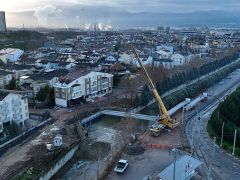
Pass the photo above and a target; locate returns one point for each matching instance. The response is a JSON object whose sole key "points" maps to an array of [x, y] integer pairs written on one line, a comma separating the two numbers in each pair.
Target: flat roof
{"points": [[184, 168]]}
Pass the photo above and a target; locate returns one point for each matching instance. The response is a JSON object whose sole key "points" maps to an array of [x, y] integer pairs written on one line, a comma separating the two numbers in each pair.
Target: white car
{"points": [[121, 166]]}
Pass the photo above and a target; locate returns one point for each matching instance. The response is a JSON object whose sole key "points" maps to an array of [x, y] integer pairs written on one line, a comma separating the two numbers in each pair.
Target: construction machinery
{"points": [[164, 118]]}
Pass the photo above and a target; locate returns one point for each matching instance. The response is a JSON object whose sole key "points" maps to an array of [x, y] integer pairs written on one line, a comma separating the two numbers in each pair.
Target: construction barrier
{"points": [[161, 146]]}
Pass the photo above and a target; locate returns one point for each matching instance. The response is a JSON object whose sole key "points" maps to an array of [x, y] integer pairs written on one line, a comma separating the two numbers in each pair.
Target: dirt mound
{"points": [[135, 150]]}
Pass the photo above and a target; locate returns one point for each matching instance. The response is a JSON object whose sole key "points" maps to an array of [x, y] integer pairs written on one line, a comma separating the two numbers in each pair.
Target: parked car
{"points": [[121, 166], [70, 110], [56, 107]]}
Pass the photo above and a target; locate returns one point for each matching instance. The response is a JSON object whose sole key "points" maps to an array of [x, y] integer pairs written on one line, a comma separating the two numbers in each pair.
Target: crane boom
{"points": [[161, 105], [164, 118]]}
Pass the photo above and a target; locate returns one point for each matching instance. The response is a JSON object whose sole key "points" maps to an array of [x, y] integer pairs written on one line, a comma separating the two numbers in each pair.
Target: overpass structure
{"points": [[130, 114]]}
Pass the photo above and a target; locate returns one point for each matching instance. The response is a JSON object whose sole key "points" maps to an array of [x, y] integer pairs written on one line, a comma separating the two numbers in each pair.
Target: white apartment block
{"points": [[13, 108], [79, 84]]}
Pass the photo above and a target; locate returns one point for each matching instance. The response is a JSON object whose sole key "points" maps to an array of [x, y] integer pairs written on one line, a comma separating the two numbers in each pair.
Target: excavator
{"points": [[164, 118]]}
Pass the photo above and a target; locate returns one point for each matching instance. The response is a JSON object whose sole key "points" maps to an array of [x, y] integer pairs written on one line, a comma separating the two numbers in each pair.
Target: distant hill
{"points": [[74, 16]]}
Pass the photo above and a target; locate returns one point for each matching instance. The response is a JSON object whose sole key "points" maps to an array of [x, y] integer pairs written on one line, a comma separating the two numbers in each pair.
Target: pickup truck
{"points": [[121, 166]]}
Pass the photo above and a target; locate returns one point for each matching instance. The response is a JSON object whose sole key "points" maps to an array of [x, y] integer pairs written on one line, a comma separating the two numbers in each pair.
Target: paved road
{"points": [[224, 166]]}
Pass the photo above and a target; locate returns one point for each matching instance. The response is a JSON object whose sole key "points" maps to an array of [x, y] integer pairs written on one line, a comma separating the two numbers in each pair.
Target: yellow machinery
{"points": [[164, 118]]}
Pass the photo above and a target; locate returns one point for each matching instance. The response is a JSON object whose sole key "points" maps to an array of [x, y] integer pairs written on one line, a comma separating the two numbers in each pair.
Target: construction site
{"points": [[151, 138]]}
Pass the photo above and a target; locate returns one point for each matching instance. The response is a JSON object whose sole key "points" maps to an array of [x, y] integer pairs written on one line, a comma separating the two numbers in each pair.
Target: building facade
{"points": [[82, 85], [2, 21], [13, 108], [10, 55]]}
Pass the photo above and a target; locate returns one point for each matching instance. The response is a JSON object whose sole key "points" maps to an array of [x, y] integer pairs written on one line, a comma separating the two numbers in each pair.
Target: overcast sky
{"points": [[32, 12]]}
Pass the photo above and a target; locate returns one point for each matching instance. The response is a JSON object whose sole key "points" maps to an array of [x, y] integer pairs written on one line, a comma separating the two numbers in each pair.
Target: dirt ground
{"points": [[153, 160], [14, 159]]}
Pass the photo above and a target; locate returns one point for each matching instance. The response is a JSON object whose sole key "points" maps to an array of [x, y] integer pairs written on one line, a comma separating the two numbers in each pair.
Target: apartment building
{"points": [[13, 108], [82, 85]]}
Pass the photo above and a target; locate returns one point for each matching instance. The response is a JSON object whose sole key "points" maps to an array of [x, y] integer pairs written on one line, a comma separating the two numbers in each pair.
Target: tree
{"points": [[12, 85], [45, 94]]}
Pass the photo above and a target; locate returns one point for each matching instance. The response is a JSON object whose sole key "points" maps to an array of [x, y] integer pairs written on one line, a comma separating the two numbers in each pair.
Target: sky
{"points": [[55, 13]]}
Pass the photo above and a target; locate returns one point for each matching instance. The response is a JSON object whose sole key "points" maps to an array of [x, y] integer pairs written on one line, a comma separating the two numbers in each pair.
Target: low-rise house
{"points": [[18, 70], [166, 63], [200, 48], [111, 58], [178, 59], [13, 108], [118, 69], [82, 85], [5, 78], [10, 55], [40, 80], [125, 58], [165, 48], [164, 54]]}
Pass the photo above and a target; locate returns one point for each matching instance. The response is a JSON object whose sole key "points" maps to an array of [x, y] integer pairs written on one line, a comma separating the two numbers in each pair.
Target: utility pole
{"points": [[213, 156], [222, 133], [174, 164], [234, 142]]}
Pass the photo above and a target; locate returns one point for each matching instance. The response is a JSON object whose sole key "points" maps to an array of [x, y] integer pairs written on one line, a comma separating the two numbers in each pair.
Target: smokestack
{"points": [[2, 21]]}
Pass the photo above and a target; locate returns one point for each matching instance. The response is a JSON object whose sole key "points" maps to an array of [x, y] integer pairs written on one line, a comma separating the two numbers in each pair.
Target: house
{"points": [[111, 58], [200, 48], [125, 58], [118, 69], [166, 63], [18, 70], [165, 48], [13, 108], [40, 80], [146, 60], [10, 55], [82, 85], [164, 54], [177, 59], [5, 78]]}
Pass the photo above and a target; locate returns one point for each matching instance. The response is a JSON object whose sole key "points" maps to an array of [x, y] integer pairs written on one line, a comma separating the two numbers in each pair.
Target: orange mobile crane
{"points": [[164, 118]]}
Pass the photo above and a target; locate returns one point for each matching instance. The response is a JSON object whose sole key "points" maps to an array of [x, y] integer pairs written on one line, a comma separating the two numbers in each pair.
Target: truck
{"points": [[121, 166], [156, 129]]}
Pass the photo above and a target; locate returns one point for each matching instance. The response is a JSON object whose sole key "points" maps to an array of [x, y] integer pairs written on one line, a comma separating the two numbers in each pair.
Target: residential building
{"points": [[177, 59], [39, 80], [125, 58], [166, 63], [84, 85], [13, 108], [118, 69], [10, 54], [5, 78]]}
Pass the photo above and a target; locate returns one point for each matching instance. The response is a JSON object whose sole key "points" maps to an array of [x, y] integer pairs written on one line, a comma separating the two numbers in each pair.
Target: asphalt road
{"points": [[223, 165]]}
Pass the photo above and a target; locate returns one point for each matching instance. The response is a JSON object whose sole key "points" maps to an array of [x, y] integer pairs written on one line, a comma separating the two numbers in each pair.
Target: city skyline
{"points": [[61, 13]]}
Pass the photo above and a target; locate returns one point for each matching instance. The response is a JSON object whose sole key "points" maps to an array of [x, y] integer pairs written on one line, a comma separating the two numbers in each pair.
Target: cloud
{"points": [[43, 14], [57, 13]]}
